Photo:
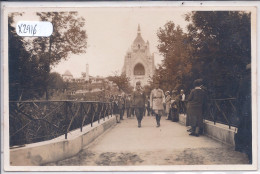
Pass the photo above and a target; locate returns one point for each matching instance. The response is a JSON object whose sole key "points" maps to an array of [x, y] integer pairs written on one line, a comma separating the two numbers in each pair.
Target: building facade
{"points": [[139, 62]]}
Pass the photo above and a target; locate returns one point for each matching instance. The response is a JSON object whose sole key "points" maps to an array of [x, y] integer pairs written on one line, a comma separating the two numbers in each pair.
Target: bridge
{"points": [[170, 144], [122, 144]]}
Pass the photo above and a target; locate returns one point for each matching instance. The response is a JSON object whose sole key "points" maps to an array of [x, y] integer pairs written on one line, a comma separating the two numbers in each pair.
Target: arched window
{"points": [[139, 46], [139, 69]]}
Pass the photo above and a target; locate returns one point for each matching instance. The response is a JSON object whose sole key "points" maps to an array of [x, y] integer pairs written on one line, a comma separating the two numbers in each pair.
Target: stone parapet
{"points": [[218, 131], [59, 148]]}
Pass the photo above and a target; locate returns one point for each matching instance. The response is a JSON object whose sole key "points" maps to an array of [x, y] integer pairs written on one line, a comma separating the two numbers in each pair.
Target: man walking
{"points": [[157, 99], [139, 103]]}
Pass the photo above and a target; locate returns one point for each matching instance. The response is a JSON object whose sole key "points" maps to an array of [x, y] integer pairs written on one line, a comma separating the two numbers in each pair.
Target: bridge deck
{"points": [[126, 144]]}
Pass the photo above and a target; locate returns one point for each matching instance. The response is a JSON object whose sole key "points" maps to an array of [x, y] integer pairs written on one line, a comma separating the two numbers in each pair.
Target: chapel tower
{"points": [[139, 62]]}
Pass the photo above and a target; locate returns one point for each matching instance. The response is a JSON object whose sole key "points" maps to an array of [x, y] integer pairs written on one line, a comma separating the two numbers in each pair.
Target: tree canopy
{"points": [[216, 48], [30, 65], [122, 82]]}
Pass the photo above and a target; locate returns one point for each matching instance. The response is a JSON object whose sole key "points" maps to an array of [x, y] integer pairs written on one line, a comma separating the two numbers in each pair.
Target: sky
{"points": [[111, 31]]}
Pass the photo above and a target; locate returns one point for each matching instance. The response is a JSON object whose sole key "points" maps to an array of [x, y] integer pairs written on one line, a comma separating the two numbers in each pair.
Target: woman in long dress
{"points": [[196, 107]]}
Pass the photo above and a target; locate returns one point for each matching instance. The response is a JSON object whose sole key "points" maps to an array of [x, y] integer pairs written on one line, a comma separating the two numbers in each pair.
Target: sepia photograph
{"points": [[130, 88]]}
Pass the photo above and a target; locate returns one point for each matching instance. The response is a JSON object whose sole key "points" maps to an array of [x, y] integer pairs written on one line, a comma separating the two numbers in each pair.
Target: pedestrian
{"points": [[168, 104], [182, 98], [139, 102], [196, 107], [148, 106], [121, 106], [157, 99], [174, 106], [128, 105], [116, 109]]}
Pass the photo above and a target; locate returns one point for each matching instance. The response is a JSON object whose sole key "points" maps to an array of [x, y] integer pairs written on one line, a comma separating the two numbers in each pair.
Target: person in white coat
{"points": [[157, 99]]}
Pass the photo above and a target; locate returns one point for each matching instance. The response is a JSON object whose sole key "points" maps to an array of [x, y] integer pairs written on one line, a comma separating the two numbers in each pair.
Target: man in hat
{"points": [[157, 99], [139, 102]]}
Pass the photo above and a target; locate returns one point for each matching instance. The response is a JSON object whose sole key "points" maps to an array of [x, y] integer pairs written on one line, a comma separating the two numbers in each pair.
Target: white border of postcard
{"points": [[59, 6]]}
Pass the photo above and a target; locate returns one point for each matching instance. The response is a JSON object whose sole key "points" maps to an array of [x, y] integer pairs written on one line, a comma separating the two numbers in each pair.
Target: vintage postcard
{"points": [[129, 87]]}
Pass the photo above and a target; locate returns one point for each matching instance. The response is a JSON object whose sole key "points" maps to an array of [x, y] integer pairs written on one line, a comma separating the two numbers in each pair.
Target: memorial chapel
{"points": [[139, 62]]}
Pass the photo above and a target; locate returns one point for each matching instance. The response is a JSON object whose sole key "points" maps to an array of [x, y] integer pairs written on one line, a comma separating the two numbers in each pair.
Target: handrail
{"points": [[40, 120]]}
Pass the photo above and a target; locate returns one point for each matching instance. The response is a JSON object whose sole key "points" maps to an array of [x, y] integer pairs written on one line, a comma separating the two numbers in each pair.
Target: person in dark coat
{"points": [[174, 106], [196, 107], [128, 105], [148, 106], [116, 109], [121, 106], [139, 102], [243, 137]]}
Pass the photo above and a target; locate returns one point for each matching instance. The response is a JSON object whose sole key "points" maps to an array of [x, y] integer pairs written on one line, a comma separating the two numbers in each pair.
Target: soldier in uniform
{"points": [[157, 99], [139, 102]]}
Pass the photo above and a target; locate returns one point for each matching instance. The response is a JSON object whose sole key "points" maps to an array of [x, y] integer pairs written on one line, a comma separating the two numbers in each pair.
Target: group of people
{"points": [[160, 103], [194, 106], [175, 104], [138, 104]]}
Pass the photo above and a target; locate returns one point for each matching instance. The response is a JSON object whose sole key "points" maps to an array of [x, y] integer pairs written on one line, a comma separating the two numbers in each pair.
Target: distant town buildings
{"points": [[86, 83], [68, 77]]}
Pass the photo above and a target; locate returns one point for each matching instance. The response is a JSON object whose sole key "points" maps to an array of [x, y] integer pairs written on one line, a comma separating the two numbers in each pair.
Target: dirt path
{"points": [[125, 144]]}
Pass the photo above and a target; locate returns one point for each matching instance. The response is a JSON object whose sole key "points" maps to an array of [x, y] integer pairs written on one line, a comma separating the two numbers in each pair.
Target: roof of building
{"points": [[139, 39], [67, 73]]}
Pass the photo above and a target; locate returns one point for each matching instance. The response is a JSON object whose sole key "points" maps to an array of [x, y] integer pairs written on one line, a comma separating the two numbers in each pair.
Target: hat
{"points": [[138, 83], [197, 82], [167, 92]]}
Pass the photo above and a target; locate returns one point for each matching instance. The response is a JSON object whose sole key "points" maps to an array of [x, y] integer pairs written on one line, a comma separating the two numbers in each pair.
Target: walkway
{"points": [[126, 144]]}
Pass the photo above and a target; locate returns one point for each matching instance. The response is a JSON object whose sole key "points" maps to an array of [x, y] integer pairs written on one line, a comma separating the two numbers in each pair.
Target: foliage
{"points": [[174, 45], [30, 65], [25, 74], [122, 82], [216, 49], [221, 48]]}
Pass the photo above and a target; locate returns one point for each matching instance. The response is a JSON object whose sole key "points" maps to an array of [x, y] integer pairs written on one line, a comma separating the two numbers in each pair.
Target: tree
{"points": [[68, 37], [25, 75], [122, 82], [222, 48], [56, 81], [174, 45]]}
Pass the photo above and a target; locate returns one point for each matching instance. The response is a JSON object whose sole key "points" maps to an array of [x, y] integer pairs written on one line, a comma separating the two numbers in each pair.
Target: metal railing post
{"points": [[66, 118], [81, 115]]}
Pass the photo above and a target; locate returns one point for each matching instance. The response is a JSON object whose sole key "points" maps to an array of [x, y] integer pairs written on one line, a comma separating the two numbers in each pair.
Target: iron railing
{"points": [[220, 111], [223, 111], [35, 121]]}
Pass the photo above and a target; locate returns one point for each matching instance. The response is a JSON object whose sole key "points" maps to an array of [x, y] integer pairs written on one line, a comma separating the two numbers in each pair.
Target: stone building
{"points": [[139, 62]]}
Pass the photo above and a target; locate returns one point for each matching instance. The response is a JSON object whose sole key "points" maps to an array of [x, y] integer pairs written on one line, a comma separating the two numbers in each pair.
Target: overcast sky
{"points": [[111, 32]]}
